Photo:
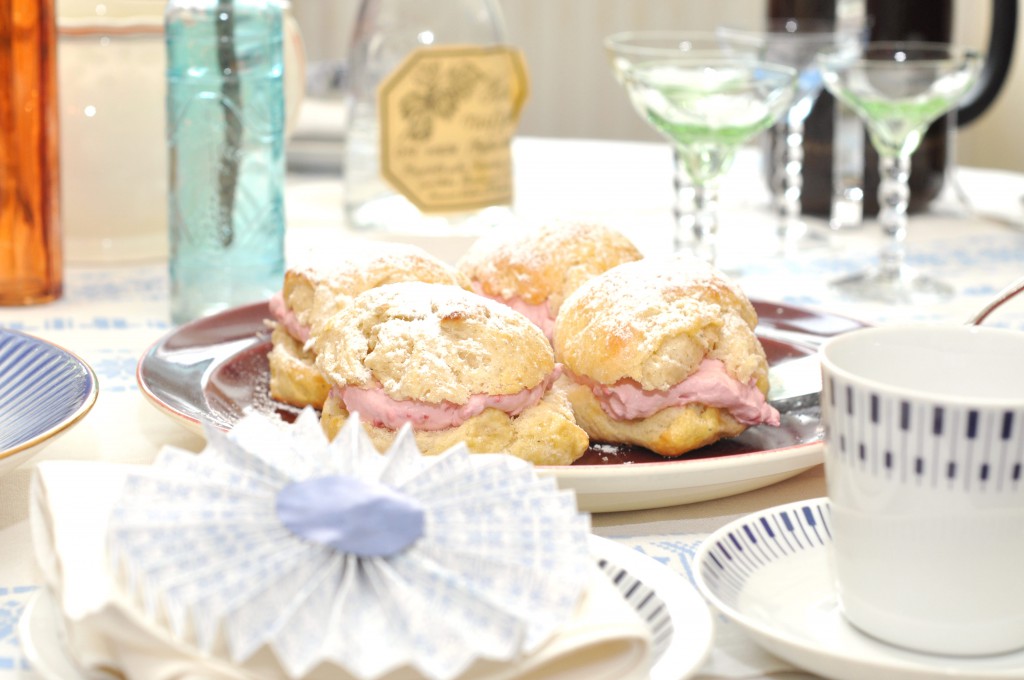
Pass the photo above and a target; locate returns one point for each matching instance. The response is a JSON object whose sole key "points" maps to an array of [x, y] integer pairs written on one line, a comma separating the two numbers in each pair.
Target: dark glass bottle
{"points": [[927, 20]]}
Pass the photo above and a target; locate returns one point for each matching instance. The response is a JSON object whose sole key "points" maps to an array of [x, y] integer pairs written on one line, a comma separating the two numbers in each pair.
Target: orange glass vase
{"points": [[31, 266]]}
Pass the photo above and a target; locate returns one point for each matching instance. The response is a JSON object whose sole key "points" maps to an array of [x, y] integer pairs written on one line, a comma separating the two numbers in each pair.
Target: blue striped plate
{"points": [[44, 391], [769, 573]]}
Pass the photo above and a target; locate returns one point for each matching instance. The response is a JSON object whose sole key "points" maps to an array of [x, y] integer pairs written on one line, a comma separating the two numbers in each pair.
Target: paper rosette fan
{"points": [[333, 553]]}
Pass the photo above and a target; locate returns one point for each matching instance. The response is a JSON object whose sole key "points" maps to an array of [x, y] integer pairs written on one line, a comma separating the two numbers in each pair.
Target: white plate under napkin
{"points": [[79, 497]]}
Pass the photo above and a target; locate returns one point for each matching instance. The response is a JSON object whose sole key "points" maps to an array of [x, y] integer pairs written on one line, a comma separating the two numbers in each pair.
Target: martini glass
{"points": [[706, 102], [898, 89], [793, 42]]}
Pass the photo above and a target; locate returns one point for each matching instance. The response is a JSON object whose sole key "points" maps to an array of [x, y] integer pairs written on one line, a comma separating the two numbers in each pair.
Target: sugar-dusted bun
{"points": [[432, 343], [535, 270], [655, 320], [643, 328], [314, 294], [427, 347], [309, 296]]}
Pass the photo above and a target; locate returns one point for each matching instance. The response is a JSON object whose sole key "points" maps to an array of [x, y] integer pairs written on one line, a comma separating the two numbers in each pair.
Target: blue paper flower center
{"points": [[351, 516]]}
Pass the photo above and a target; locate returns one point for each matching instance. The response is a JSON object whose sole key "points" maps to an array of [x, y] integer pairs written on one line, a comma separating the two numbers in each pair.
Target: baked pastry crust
{"points": [[294, 378], [316, 294], [670, 432], [653, 322], [545, 264], [434, 343]]}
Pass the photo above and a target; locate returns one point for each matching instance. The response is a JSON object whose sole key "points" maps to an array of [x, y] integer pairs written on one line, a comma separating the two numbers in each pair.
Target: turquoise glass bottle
{"points": [[225, 137]]}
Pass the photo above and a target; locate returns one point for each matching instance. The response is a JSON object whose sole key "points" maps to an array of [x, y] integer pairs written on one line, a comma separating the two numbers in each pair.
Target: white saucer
{"points": [[769, 572], [680, 621]]}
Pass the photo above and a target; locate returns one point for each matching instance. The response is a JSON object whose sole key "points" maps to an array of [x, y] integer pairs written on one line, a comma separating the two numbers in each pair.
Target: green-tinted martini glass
{"points": [[898, 89], [707, 102]]}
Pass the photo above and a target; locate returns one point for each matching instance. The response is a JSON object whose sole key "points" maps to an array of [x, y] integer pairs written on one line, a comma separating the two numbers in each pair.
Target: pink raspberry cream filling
{"points": [[286, 317], [710, 385], [376, 407], [539, 314]]}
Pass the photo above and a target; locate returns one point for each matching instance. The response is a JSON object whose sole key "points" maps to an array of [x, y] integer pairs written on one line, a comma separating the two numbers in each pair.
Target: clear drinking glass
{"points": [[706, 102], [796, 43], [898, 89]]}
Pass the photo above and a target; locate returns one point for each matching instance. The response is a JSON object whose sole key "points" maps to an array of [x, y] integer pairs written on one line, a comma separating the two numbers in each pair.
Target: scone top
{"points": [[544, 264], [315, 294], [432, 343], [654, 321]]}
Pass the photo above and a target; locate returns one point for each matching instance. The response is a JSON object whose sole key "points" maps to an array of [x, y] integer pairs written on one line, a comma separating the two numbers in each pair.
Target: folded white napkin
{"points": [[71, 506]]}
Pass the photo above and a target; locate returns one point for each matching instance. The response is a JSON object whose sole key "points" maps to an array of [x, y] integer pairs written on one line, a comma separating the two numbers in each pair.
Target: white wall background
{"points": [[996, 138], [574, 95]]}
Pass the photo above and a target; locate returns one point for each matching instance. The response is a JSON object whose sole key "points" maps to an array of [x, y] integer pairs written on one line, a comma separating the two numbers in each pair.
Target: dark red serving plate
{"points": [[214, 370]]}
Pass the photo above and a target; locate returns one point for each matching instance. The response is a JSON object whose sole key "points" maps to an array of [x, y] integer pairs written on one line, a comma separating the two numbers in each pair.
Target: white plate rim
{"points": [[693, 626], [815, 658], [39, 639], [36, 443], [692, 636]]}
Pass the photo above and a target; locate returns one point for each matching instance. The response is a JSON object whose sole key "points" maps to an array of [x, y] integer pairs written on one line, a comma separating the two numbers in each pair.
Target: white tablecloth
{"points": [[110, 314]]}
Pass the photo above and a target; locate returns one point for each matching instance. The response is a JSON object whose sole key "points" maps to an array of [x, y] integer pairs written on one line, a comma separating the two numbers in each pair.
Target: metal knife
{"points": [[795, 383]]}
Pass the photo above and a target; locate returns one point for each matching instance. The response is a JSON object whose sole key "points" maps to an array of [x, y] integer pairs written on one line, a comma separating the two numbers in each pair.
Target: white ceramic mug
{"points": [[924, 448], [112, 87]]}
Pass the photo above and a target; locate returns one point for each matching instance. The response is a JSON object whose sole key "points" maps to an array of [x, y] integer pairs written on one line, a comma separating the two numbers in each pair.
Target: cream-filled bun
{"points": [[661, 353], [535, 270], [312, 295], [457, 366]]}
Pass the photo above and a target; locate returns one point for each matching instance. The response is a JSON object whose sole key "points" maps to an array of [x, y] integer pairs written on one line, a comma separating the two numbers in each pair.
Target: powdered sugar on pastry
{"points": [[311, 295], [314, 295], [460, 367], [432, 343], [654, 321], [664, 356], [710, 385], [376, 407], [543, 265]]}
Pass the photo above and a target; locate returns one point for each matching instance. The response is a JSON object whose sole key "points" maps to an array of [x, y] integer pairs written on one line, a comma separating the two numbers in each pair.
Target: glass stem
{"points": [[789, 178], [893, 198], [696, 215], [704, 242], [682, 209]]}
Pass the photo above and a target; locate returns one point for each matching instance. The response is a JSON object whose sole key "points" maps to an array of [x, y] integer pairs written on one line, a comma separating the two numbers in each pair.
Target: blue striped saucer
{"points": [[44, 391], [769, 573]]}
